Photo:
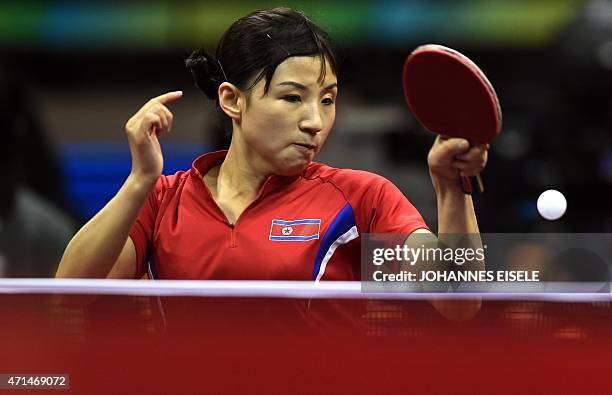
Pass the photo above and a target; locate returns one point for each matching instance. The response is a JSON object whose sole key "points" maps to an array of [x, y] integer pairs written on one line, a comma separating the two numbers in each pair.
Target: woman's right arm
{"points": [[102, 247]]}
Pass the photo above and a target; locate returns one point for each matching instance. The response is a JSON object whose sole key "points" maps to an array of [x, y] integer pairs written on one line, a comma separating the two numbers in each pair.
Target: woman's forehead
{"points": [[305, 70]]}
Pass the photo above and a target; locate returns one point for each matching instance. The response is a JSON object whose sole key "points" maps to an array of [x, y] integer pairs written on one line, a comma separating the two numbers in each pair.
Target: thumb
{"points": [[455, 146]]}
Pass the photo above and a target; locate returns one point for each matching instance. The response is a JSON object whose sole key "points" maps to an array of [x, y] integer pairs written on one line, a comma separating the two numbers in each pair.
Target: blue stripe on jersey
{"points": [[343, 222], [151, 265], [297, 222]]}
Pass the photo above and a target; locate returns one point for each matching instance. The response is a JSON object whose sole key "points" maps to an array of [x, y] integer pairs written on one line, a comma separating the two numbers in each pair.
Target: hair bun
{"points": [[206, 72]]}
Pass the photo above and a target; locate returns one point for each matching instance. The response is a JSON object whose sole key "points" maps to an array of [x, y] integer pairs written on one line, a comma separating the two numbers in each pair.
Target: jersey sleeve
{"points": [[391, 211], [378, 205], [142, 230]]}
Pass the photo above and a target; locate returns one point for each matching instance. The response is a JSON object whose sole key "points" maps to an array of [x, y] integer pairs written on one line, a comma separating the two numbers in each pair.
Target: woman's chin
{"points": [[292, 168]]}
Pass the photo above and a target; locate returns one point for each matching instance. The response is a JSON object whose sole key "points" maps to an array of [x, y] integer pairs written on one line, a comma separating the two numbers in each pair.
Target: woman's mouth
{"points": [[307, 146]]}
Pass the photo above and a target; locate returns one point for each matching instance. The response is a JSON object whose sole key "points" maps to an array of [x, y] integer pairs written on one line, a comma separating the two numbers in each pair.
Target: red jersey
{"points": [[297, 228]]}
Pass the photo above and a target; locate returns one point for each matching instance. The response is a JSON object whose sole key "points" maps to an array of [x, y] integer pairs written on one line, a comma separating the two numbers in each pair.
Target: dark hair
{"points": [[255, 45]]}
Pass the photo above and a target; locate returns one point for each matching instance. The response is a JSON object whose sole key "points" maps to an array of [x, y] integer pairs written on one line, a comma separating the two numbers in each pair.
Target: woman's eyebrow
{"points": [[303, 87]]}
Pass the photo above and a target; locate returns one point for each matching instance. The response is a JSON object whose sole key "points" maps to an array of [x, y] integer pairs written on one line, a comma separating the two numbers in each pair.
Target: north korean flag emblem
{"points": [[298, 230]]}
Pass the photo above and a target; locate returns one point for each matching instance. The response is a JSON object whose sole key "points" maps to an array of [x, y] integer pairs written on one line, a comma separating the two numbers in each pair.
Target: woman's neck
{"points": [[236, 177]]}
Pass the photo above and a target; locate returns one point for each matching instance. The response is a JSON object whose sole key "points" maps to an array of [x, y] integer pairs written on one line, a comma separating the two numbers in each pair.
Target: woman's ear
{"points": [[231, 100]]}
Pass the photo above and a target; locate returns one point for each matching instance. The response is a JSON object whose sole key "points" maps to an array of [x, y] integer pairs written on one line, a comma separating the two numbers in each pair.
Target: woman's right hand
{"points": [[143, 130]]}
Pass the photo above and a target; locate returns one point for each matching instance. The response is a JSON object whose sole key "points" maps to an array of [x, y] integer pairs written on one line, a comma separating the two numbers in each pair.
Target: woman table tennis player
{"points": [[263, 209]]}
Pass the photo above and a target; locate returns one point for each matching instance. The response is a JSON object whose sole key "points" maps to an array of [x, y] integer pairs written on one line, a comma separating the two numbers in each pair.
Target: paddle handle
{"points": [[472, 185]]}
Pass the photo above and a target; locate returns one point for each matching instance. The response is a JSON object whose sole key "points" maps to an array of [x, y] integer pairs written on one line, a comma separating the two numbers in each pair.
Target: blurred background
{"points": [[72, 73]]}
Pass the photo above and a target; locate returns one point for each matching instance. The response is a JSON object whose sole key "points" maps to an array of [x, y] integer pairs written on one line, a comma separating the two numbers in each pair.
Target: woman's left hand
{"points": [[451, 158]]}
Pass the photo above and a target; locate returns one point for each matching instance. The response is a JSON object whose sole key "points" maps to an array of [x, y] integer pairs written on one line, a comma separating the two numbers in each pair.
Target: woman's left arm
{"points": [[449, 159]]}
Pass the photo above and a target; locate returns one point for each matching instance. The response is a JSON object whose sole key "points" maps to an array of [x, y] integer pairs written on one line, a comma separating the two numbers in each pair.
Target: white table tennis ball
{"points": [[552, 204]]}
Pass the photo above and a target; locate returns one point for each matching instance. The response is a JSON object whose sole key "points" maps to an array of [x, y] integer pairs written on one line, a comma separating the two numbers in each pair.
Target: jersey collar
{"points": [[202, 164]]}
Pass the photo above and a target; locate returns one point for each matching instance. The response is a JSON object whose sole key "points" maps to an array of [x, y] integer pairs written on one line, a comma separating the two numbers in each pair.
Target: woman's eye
{"points": [[292, 98], [328, 101]]}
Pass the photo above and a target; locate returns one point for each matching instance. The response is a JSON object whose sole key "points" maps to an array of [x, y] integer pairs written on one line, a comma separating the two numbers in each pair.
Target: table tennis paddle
{"points": [[448, 94]]}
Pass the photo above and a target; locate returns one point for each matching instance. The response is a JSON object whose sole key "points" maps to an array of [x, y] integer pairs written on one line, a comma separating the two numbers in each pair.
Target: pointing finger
{"points": [[168, 97]]}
